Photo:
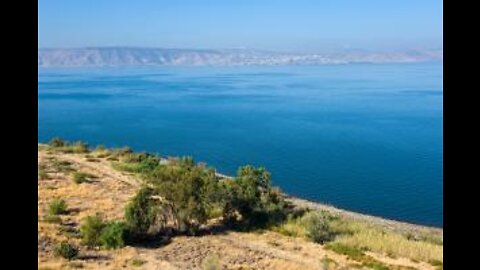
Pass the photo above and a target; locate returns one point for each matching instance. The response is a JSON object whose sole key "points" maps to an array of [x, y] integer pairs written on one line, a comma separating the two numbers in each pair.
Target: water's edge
{"points": [[395, 225]]}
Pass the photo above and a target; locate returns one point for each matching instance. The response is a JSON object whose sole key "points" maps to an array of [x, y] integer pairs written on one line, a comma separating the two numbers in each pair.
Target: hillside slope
{"points": [[110, 190]]}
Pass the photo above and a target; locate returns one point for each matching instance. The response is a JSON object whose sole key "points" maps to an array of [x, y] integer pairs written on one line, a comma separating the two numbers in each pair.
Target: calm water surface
{"points": [[363, 137]]}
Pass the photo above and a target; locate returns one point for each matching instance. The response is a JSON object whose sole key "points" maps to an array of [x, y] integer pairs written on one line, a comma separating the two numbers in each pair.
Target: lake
{"points": [[363, 137]]}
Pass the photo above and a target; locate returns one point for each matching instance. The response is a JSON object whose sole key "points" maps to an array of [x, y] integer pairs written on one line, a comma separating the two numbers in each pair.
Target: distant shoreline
{"points": [[132, 56]]}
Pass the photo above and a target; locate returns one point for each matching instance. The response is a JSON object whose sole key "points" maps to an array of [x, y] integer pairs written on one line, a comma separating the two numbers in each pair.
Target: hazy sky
{"points": [[294, 25]]}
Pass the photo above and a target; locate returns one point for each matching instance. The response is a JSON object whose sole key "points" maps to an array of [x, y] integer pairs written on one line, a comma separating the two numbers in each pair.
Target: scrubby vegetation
{"points": [[322, 227], [57, 207], [113, 235], [62, 166], [96, 232], [91, 230], [137, 262], [365, 236], [317, 225], [66, 250], [81, 177], [357, 255], [60, 145], [181, 197], [313, 225]]}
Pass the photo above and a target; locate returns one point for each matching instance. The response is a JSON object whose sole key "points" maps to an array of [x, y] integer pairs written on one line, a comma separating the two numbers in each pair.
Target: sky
{"points": [[276, 25]]}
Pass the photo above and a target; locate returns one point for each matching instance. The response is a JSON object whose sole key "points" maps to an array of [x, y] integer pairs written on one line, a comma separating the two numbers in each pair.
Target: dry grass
{"points": [[292, 227], [374, 239], [423, 247]]}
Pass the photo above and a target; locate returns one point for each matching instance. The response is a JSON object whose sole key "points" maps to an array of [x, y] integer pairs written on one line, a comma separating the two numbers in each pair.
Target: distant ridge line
{"points": [[144, 56]]}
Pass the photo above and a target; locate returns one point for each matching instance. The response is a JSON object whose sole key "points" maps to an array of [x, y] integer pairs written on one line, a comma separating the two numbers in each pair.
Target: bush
{"points": [[66, 251], [95, 232], [251, 196], [81, 177], [113, 235], [79, 147], [57, 142], [91, 230], [142, 163], [143, 213], [58, 207], [317, 226]]}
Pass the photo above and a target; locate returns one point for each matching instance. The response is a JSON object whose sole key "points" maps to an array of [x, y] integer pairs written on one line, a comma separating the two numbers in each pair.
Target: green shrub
{"points": [[66, 251], [96, 232], [91, 230], [81, 177], [113, 235], [317, 226], [137, 163], [251, 196], [142, 213], [58, 207]]}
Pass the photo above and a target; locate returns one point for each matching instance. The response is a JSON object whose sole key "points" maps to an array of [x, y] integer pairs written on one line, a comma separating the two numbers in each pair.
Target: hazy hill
{"points": [[130, 56]]}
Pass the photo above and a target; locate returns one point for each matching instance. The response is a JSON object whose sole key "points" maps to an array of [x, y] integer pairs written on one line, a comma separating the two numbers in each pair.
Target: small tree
{"points": [[144, 213]]}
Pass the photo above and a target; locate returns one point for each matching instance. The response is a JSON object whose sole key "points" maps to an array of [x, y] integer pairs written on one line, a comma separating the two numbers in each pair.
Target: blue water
{"points": [[363, 137]]}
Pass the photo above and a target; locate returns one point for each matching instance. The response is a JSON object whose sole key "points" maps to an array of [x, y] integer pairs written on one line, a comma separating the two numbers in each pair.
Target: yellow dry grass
{"points": [[387, 242]]}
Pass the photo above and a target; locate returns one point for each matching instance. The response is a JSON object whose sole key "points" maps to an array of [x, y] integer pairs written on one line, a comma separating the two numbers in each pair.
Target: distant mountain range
{"points": [[131, 56]]}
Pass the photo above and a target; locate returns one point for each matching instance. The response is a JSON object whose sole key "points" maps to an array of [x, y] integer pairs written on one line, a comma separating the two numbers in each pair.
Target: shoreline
{"points": [[395, 225]]}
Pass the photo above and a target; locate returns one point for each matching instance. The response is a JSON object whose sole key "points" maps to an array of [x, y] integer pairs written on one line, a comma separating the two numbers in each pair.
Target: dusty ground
{"points": [[111, 190]]}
